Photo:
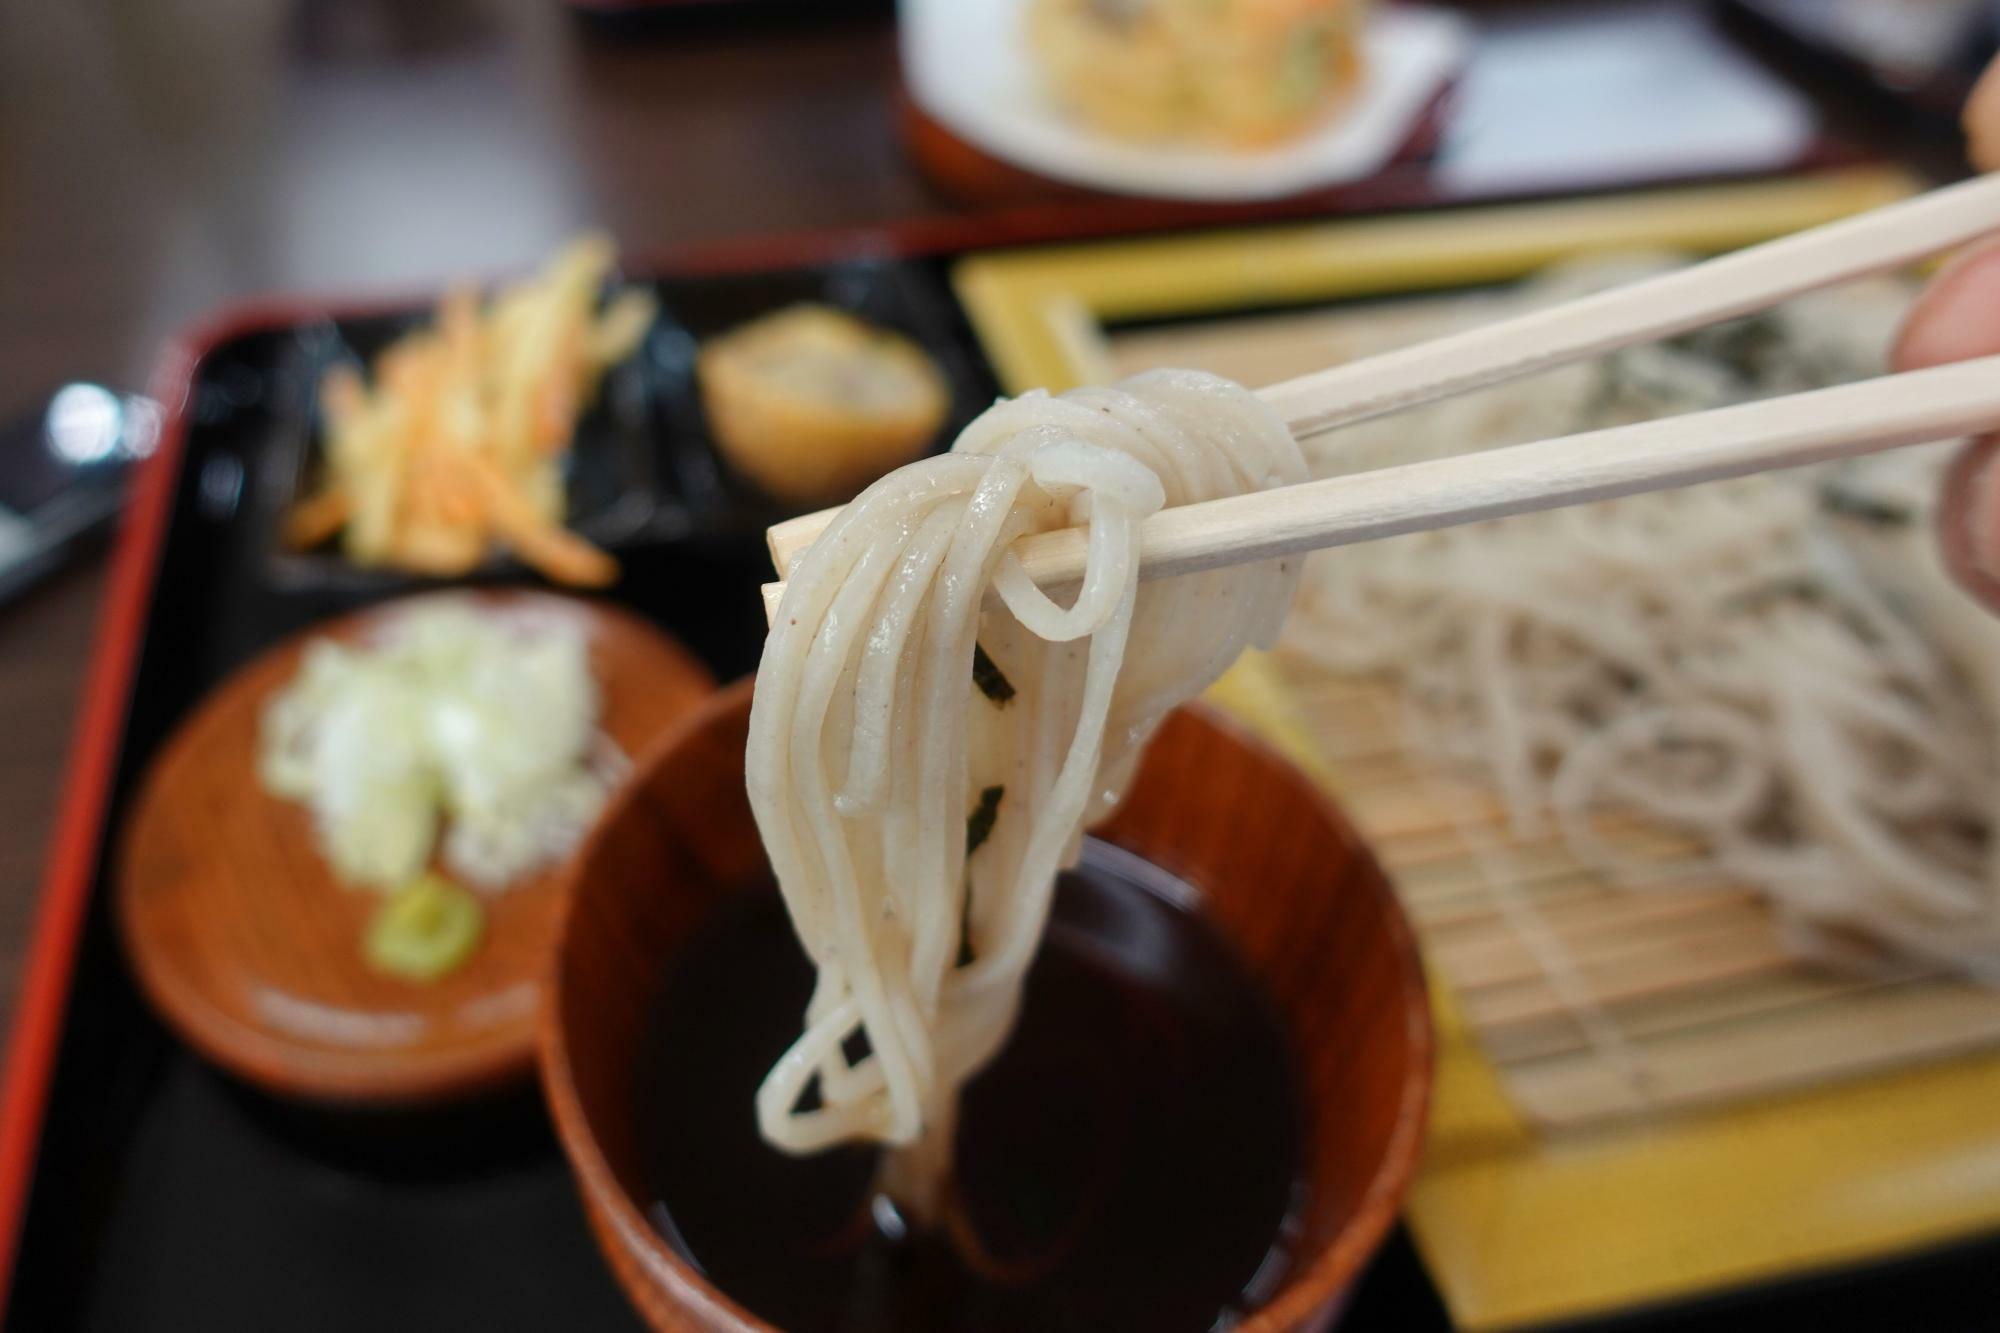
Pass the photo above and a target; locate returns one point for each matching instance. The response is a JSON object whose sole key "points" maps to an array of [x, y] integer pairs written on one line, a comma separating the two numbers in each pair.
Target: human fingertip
{"points": [[1957, 317]]}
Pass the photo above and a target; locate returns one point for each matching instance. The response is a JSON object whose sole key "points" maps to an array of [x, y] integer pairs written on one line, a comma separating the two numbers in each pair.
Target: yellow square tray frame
{"points": [[1517, 1230]]}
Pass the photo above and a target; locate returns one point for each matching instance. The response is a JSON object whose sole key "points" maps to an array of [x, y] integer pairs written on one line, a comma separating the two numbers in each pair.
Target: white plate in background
{"points": [[967, 64]]}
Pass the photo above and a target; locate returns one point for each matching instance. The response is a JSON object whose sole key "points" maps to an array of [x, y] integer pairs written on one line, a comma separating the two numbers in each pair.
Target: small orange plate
{"points": [[251, 949]]}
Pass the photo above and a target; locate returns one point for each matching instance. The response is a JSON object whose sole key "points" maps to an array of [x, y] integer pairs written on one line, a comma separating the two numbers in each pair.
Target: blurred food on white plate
{"points": [[1184, 99], [1244, 72]]}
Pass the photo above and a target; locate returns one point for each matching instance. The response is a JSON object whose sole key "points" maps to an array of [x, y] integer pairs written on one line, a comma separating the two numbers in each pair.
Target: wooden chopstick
{"points": [[1852, 419], [1881, 240]]}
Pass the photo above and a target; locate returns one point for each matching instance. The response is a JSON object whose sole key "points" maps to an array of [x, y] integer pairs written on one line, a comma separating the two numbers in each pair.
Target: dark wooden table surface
{"points": [[159, 159]]}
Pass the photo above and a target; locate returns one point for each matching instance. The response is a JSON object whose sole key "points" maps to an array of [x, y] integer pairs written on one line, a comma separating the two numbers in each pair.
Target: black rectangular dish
{"points": [[644, 470]]}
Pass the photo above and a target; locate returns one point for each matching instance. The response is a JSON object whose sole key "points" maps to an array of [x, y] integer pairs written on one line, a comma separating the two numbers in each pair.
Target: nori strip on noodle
{"points": [[978, 828], [979, 824], [992, 682]]}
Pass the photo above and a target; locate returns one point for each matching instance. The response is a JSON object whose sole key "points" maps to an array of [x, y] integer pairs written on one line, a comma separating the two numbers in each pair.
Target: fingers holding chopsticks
{"points": [[1956, 319], [1958, 316]]}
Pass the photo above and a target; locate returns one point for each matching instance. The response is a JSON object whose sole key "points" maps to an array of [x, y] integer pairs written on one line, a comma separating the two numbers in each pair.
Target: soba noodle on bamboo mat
{"points": [[1689, 795]]}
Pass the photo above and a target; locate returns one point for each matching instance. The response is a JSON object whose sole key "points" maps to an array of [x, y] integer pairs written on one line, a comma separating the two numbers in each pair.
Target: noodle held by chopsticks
{"points": [[871, 743]]}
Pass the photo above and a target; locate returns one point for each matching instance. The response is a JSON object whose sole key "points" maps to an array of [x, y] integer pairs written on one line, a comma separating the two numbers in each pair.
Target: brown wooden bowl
{"points": [[1280, 871], [252, 950]]}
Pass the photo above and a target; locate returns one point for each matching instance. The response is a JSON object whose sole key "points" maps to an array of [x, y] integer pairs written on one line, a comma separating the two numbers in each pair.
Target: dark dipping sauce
{"points": [[1130, 1161]]}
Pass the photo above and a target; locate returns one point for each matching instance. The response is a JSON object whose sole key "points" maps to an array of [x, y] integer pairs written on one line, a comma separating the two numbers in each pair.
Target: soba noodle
{"points": [[875, 762], [1777, 665]]}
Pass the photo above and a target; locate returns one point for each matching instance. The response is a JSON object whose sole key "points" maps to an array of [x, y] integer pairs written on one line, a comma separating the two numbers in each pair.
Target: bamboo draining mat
{"points": [[1597, 1002], [1593, 1002]]}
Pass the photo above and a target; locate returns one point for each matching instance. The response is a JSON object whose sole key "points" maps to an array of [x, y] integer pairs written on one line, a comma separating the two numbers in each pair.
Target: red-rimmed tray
{"points": [[141, 1189]]}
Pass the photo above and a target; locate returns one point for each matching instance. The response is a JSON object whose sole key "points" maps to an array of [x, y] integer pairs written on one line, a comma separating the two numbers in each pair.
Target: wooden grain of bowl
{"points": [[1281, 873], [252, 951]]}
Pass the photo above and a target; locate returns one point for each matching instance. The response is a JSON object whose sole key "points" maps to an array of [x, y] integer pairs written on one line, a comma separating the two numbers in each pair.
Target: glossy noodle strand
{"points": [[871, 745]]}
